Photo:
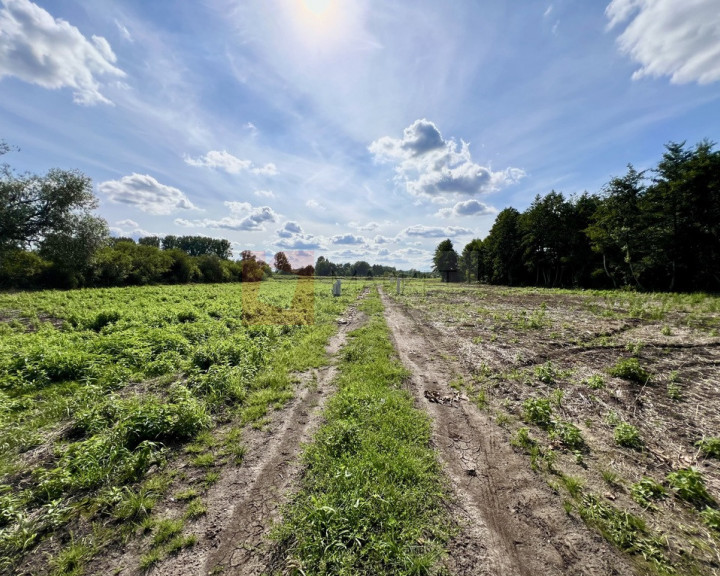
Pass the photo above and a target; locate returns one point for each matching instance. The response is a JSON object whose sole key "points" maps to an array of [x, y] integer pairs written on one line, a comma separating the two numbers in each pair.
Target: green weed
{"points": [[628, 436], [688, 484], [630, 369], [709, 447], [646, 491], [538, 411]]}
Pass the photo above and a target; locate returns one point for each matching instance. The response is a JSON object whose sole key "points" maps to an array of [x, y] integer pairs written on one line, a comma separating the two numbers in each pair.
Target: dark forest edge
{"points": [[656, 230]]}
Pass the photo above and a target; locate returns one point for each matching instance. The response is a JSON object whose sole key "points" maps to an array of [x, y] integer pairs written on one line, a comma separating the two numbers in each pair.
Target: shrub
{"points": [[630, 369], [628, 436]]}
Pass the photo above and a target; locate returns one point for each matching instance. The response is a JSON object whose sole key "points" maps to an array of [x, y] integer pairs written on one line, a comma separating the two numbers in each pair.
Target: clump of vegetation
{"points": [[625, 530], [546, 373], [628, 436], [569, 435], [630, 369], [595, 382], [538, 411], [711, 518], [688, 484], [646, 491], [709, 447]]}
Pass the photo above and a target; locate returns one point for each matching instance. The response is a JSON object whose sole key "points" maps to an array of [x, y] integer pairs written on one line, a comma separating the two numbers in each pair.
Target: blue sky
{"points": [[354, 129]]}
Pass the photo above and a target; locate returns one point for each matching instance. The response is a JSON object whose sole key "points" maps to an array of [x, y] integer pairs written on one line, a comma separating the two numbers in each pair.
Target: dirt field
{"points": [[480, 354]]}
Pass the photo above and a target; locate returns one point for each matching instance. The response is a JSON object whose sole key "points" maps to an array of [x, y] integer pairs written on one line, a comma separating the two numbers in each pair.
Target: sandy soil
{"points": [[512, 523]]}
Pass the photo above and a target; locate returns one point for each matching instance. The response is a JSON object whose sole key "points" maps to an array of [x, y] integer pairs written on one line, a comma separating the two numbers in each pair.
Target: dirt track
{"points": [[511, 521], [242, 506]]}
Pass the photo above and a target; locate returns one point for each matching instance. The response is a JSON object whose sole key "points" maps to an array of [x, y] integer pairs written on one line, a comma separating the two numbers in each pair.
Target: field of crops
{"points": [[100, 390]]}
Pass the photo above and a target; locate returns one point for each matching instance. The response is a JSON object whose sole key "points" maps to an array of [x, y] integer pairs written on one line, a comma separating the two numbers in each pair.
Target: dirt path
{"points": [[511, 521], [244, 503]]}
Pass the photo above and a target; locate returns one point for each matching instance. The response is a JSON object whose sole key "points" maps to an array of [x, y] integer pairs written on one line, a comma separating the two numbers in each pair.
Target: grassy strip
{"points": [[372, 497]]}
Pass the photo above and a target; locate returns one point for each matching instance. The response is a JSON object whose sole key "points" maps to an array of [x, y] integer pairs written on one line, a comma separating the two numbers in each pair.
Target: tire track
{"points": [[511, 522]]}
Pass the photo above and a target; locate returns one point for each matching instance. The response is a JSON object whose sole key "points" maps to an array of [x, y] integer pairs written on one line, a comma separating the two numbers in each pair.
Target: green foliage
{"points": [[709, 447], [538, 411], [628, 436], [625, 530], [645, 491], [371, 501], [546, 373], [689, 485], [711, 518], [569, 435], [595, 382], [630, 369]]}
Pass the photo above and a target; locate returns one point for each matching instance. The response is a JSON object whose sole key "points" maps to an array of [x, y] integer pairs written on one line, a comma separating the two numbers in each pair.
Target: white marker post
{"points": [[398, 285], [336, 289]]}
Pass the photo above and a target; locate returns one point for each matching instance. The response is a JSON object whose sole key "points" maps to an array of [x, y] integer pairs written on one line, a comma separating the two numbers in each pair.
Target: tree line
{"points": [[657, 229]]}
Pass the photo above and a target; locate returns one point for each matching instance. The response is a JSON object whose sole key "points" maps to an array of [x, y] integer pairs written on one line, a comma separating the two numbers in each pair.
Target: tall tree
{"points": [[445, 260], [503, 249], [33, 206], [282, 264]]}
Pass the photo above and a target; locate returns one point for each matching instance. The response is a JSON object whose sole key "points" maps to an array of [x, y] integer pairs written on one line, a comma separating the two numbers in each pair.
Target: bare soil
{"points": [[245, 502], [490, 342], [511, 522]]}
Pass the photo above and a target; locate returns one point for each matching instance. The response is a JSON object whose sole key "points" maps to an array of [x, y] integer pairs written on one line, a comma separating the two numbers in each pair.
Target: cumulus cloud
{"points": [[145, 193], [223, 160], [422, 231], [244, 217], [347, 239], [291, 236], [430, 166], [467, 208], [264, 193], [670, 38], [49, 52], [383, 239]]}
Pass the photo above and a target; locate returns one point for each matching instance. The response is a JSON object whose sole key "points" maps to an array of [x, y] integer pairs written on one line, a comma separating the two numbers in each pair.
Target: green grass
{"points": [[136, 376], [709, 447], [628, 436], [372, 497]]}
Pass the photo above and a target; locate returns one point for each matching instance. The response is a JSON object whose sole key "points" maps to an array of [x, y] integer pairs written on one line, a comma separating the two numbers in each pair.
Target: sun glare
{"points": [[318, 7]]}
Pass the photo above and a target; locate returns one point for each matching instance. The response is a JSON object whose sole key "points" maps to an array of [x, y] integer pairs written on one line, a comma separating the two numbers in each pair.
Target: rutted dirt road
{"points": [[511, 522], [242, 506]]}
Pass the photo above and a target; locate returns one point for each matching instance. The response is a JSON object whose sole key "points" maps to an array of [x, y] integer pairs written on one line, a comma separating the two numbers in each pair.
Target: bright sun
{"points": [[317, 6]]}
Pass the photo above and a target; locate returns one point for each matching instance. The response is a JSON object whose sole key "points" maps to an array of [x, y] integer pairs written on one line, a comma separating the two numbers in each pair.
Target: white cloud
{"points": [[291, 236], [422, 231], [314, 204], [347, 239], [127, 223], [245, 217], [430, 166], [548, 10], [49, 52], [369, 227], [467, 208], [146, 194], [124, 32], [670, 38], [264, 193], [223, 160]]}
